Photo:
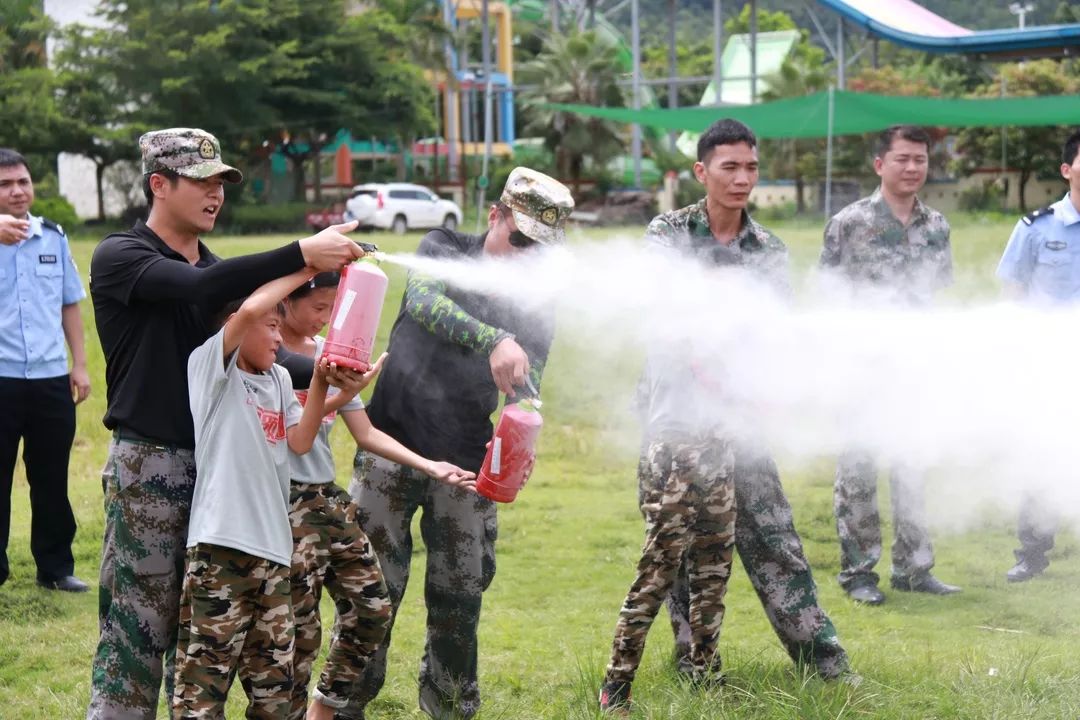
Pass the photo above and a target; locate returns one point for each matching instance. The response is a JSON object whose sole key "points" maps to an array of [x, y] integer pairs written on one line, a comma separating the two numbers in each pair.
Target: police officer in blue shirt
{"points": [[39, 293], [1041, 264]]}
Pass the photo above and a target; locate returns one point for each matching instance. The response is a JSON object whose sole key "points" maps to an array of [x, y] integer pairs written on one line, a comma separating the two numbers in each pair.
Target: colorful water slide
{"points": [[909, 24]]}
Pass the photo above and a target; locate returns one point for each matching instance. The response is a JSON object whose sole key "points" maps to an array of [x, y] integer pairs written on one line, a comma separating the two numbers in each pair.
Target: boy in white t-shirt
{"points": [[235, 613]]}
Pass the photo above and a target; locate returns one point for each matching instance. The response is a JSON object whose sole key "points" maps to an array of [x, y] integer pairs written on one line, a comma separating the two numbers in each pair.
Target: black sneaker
{"points": [[68, 583], [867, 594], [925, 583], [708, 679], [1026, 569], [615, 698]]}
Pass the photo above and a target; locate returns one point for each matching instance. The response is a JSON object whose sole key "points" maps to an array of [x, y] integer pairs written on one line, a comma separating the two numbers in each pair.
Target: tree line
{"points": [[274, 74], [287, 75]]}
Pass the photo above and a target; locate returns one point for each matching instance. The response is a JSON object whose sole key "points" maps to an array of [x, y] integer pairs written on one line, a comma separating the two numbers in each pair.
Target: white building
{"points": [[77, 173]]}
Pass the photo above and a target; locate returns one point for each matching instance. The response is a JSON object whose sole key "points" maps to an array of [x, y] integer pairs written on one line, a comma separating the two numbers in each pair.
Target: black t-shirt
{"points": [[152, 308], [435, 396]]}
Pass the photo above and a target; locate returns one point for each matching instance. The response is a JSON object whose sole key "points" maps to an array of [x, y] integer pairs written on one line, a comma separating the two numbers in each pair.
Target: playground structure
{"points": [[907, 23], [476, 107]]}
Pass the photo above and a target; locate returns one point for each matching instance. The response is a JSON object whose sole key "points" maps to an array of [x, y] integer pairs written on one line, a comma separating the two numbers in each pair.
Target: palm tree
{"points": [[427, 31], [579, 68]]}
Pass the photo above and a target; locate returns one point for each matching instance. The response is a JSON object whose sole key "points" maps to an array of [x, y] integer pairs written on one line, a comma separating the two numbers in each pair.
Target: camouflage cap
{"points": [[540, 204], [189, 152]]}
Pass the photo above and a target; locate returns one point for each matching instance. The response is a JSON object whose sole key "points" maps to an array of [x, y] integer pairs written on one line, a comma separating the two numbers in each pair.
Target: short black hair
{"points": [[1072, 145], [724, 132], [911, 133], [222, 316], [171, 175], [321, 280], [10, 158]]}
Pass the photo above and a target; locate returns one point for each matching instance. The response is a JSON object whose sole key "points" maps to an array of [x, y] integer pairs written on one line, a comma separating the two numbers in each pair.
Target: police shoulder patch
{"points": [[1036, 214], [56, 227]]}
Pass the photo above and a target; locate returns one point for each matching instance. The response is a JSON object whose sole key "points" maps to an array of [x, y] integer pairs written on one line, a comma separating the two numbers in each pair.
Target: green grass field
{"points": [[566, 553]]}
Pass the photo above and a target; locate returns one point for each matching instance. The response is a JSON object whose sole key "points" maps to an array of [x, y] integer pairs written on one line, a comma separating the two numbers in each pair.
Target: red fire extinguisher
{"points": [[355, 318], [512, 452]]}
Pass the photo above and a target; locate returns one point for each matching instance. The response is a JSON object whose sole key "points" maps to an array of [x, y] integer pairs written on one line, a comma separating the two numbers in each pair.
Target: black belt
{"points": [[128, 435]]}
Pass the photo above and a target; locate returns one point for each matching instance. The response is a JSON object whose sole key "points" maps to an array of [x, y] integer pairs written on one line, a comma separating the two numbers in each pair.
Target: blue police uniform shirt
{"points": [[37, 278], [1044, 257]]}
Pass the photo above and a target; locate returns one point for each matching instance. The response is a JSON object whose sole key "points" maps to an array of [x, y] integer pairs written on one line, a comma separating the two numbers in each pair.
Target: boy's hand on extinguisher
{"points": [[347, 380], [452, 475], [509, 366], [530, 466], [330, 249]]}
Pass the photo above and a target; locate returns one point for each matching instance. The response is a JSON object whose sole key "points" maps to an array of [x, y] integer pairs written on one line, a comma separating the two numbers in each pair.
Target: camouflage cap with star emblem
{"points": [[540, 204], [189, 152]]}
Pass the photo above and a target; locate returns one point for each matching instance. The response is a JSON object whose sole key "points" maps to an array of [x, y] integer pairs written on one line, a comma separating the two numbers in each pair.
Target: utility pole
{"points": [[488, 120], [841, 61], [635, 137], [718, 49], [453, 99], [753, 51], [1021, 10], [673, 68]]}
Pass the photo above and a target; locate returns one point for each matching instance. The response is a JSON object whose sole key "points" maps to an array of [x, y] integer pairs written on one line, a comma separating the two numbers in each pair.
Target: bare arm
{"points": [[370, 438], [71, 321], [260, 302], [301, 436], [349, 383]]}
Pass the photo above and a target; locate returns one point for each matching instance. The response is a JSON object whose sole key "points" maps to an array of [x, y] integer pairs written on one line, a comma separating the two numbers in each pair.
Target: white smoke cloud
{"points": [[987, 395]]}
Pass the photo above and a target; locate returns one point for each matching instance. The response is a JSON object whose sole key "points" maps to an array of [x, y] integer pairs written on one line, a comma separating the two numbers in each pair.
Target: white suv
{"points": [[400, 207]]}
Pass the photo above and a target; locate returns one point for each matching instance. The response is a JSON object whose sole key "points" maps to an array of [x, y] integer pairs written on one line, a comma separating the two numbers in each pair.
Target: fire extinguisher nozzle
{"points": [[535, 393]]}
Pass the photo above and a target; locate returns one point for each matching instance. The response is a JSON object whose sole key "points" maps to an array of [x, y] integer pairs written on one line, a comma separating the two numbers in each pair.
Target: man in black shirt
{"points": [[451, 354], [156, 289]]}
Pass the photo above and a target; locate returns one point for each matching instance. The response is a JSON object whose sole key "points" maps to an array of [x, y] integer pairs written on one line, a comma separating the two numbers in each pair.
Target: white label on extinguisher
{"points": [[496, 456], [343, 311]]}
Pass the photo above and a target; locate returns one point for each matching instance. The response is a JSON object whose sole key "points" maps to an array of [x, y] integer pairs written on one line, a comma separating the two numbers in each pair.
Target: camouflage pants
{"points": [[1036, 528], [859, 525], [459, 530], [773, 557], [689, 507], [148, 492], [330, 549], [235, 619]]}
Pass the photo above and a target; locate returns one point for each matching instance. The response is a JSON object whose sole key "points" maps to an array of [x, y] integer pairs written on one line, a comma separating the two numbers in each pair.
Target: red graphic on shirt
{"points": [[302, 396], [273, 425]]}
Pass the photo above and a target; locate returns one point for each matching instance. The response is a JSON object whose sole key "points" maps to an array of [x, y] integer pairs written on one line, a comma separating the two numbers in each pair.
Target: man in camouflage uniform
{"points": [[451, 354], [717, 231], [155, 290], [890, 247]]}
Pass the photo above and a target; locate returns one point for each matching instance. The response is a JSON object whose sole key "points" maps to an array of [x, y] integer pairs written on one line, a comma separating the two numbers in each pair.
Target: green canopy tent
{"points": [[835, 112]]}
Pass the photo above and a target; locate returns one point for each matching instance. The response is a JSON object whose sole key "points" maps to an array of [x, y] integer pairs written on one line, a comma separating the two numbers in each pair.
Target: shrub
{"points": [[258, 219], [57, 209], [984, 196]]}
